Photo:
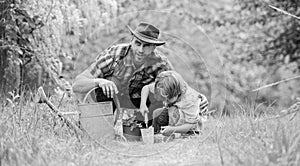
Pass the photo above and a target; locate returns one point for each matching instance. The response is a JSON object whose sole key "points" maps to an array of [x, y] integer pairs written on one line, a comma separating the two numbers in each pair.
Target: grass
{"points": [[31, 135]]}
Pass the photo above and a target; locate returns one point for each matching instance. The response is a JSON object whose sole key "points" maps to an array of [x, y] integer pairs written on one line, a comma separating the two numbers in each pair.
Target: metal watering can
{"points": [[96, 120]]}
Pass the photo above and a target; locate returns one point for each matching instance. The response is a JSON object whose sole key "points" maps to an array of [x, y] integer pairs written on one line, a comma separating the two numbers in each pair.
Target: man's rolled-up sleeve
{"points": [[203, 104], [103, 64]]}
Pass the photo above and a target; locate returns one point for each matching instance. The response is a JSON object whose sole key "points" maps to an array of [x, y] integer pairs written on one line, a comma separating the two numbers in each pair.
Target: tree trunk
{"points": [[3, 51]]}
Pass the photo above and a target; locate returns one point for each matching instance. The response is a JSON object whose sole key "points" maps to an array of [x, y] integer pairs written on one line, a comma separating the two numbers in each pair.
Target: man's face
{"points": [[141, 49]]}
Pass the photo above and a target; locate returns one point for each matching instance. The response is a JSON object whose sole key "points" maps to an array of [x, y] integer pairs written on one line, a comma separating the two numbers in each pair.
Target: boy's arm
{"points": [[145, 93]]}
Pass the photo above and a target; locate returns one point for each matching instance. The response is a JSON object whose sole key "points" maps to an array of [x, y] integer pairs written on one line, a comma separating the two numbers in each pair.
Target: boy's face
{"points": [[172, 100], [166, 99], [141, 49]]}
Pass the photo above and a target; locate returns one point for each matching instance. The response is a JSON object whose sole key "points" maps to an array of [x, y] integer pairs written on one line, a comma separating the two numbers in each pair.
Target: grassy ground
{"points": [[31, 135]]}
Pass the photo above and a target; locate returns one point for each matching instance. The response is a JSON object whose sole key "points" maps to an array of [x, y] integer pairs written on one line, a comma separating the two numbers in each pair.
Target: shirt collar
{"points": [[129, 60]]}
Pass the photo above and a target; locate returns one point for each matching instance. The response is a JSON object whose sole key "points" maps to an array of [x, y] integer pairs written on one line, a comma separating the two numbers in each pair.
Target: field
{"points": [[31, 135], [223, 48]]}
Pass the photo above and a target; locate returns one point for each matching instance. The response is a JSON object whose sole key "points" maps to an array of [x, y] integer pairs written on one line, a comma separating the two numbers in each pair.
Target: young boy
{"points": [[183, 105]]}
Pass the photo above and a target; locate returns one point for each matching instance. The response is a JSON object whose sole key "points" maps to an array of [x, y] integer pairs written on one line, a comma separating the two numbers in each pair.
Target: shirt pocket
{"points": [[147, 77], [118, 68]]}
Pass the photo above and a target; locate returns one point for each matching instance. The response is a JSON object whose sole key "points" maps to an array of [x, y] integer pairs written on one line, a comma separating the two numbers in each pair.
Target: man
{"points": [[124, 69]]}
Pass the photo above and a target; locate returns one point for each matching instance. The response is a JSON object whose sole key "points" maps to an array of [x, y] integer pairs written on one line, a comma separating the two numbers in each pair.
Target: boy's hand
{"points": [[144, 109], [167, 131]]}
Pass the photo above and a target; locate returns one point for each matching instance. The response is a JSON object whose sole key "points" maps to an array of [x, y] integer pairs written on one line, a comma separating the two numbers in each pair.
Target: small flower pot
{"points": [[132, 135]]}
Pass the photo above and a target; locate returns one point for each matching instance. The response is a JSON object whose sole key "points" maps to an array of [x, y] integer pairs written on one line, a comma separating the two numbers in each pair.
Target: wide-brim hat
{"points": [[147, 33]]}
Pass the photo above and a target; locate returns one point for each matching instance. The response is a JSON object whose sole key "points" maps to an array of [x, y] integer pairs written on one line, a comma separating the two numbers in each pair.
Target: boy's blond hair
{"points": [[169, 84]]}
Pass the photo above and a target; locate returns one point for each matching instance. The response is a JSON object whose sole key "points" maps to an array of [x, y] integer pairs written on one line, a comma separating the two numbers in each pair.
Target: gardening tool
{"points": [[43, 99], [147, 133], [146, 119]]}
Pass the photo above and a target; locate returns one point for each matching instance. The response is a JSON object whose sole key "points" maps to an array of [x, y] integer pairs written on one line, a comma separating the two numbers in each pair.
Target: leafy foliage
{"points": [[262, 41], [19, 27], [41, 40]]}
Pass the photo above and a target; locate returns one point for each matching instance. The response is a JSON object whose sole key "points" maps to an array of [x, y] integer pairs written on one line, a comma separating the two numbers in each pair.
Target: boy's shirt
{"points": [[188, 109]]}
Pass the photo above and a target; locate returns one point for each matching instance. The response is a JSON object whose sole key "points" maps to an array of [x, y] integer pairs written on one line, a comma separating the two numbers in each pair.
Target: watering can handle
{"points": [[116, 101], [88, 93]]}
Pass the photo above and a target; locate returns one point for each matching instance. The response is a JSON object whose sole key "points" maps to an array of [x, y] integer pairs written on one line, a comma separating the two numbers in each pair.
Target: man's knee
{"points": [[157, 112]]}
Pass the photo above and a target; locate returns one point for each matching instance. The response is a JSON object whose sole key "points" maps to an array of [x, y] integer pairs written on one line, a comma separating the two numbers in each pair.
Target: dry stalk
{"points": [[219, 148], [294, 109], [275, 83], [284, 12]]}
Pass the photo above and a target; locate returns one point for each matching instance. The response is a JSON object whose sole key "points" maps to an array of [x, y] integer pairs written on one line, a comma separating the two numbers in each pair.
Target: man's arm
{"points": [[91, 77], [85, 82]]}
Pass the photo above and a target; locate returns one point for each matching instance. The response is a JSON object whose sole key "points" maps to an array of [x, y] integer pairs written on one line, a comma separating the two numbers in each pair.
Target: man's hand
{"points": [[109, 88]]}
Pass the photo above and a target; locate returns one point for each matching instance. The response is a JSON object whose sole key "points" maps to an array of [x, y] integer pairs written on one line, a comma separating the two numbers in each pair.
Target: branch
{"points": [[294, 109], [276, 83], [52, 6], [284, 12]]}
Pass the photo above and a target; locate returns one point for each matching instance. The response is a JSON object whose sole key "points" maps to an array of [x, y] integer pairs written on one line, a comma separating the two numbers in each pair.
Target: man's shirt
{"points": [[117, 64]]}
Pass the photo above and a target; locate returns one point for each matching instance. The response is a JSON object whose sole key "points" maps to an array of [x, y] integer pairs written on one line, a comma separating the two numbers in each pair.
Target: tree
{"points": [[16, 50]]}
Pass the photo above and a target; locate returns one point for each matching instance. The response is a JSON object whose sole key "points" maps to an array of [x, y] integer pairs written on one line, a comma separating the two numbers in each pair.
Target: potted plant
{"points": [[131, 127]]}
